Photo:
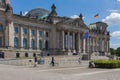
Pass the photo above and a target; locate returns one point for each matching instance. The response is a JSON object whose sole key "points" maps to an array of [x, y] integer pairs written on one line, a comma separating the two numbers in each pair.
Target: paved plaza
{"points": [[45, 72]]}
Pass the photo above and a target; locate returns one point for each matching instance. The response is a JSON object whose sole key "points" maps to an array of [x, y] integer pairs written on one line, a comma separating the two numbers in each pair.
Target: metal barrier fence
{"points": [[59, 61], [17, 62]]}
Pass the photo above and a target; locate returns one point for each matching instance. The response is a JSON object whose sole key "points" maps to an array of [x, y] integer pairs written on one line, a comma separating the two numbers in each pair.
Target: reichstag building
{"points": [[43, 32]]}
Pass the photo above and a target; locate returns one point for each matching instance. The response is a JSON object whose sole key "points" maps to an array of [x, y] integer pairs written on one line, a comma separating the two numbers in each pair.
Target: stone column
{"points": [[21, 37], [43, 40], [84, 45], [88, 44], [78, 42], [68, 41], [73, 45], [37, 38], [63, 40], [29, 38], [93, 45], [102, 45], [107, 45]]}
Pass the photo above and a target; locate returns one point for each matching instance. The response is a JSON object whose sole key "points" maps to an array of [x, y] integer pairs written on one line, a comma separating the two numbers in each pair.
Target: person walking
{"points": [[79, 61], [53, 61], [35, 61]]}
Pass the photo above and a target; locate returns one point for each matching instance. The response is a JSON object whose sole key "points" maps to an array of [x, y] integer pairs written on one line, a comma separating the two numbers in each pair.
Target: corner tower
{"points": [[5, 5]]}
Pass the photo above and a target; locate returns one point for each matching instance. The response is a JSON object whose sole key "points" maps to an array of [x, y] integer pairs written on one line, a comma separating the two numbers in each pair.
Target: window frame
{"points": [[24, 30], [16, 29], [24, 43], [40, 33], [16, 42], [32, 44], [1, 28], [40, 44], [33, 32]]}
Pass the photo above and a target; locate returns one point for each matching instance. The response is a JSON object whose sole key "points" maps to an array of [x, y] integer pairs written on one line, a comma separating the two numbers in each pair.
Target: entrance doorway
{"points": [[2, 55]]}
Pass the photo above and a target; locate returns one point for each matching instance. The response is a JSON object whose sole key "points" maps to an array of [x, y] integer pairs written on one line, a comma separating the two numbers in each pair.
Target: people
{"points": [[79, 61], [35, 61], [53, 61], [91, 64]]}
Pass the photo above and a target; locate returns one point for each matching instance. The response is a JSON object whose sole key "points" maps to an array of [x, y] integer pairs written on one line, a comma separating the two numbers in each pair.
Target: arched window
{"points": [[24, 43], [1, 27], [46, 45], [3, 1], [17, 55], [26, 54], [16, 42], [32, 44], [40, 44]]}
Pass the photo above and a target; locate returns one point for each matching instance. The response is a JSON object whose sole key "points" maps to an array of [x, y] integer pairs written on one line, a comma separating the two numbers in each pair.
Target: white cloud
{"points": [[116, 34], [113, 11], [75, 16], [113, 19], [118, 0], [114, 45], [25, 13]]}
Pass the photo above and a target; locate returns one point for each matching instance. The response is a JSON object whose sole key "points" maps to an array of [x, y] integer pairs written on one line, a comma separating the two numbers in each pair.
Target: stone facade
{"points": [[26, 36]]}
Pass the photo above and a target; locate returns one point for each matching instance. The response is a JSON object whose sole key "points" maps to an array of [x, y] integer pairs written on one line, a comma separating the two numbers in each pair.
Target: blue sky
{"points": [[108, 10]]}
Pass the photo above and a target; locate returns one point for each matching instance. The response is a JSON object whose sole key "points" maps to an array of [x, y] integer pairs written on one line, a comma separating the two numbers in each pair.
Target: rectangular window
{"points": [[16, 29], [33, 32], [0, 41], [46, 34], [40, 33], [24, 31], [1, 28], [3, 1]]}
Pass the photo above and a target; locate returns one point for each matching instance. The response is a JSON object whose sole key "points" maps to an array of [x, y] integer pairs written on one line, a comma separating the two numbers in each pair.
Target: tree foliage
{"points": [[115, 52], [118, 51], [112, 51]]}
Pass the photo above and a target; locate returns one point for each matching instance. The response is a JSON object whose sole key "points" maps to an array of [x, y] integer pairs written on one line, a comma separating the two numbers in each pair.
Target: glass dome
{"points": [[38, 13]]}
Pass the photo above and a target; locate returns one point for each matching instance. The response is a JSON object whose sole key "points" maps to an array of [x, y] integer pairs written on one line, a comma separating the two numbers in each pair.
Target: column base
{"points": [[63, 49], [79, 51], [74, 51], [69, 50], [84, 52]]}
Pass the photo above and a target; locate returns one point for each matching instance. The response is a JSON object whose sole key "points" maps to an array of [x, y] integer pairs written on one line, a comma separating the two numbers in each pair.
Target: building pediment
{"points": [[78, 22]]}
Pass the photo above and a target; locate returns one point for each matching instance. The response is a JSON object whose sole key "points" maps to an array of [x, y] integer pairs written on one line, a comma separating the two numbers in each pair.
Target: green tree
{"points": [[112, 51], [118, 51]]}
